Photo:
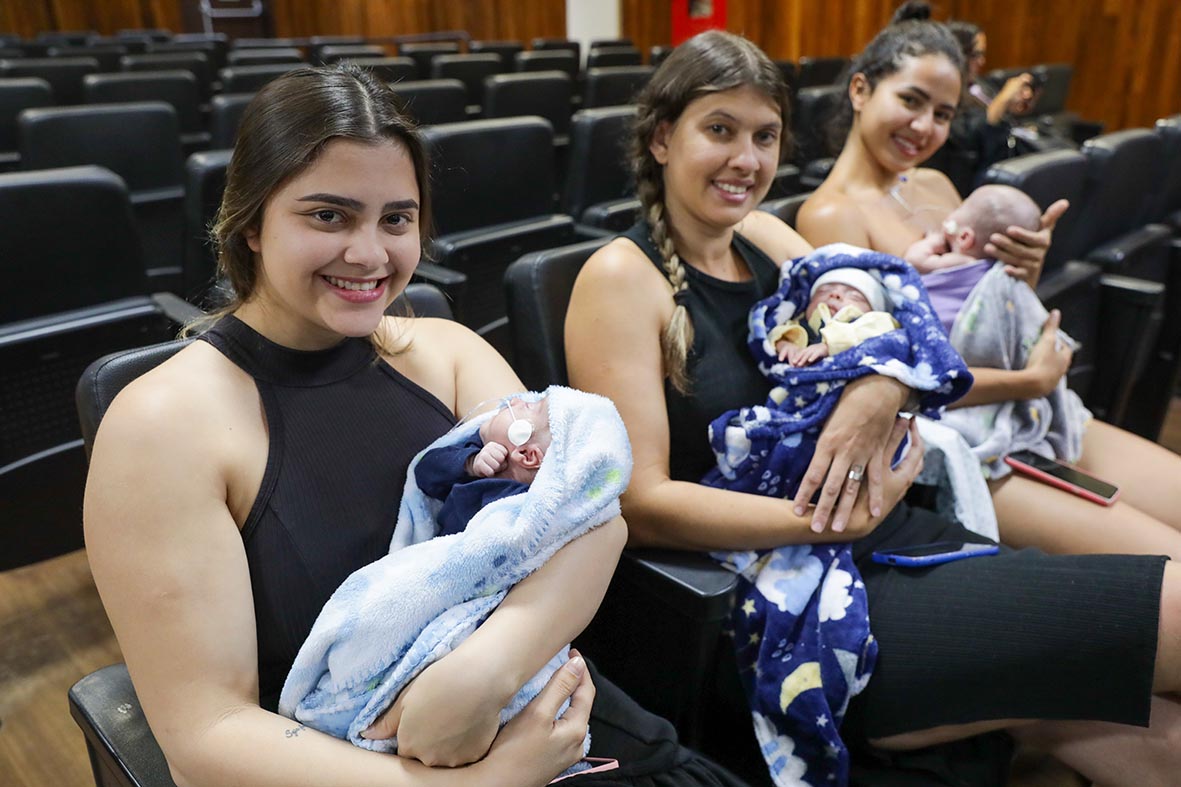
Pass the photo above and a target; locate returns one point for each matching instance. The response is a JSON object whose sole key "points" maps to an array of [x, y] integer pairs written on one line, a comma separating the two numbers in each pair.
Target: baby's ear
{"points": [[530, 456], [966, 239]]}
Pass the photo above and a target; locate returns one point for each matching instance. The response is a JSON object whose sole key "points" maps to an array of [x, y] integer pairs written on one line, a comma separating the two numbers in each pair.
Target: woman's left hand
{"points": [[851, 446], [1024, 251], [447, 716]]}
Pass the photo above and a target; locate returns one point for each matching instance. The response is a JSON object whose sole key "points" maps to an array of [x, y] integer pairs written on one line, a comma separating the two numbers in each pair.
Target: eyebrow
{"points": [[352, 204], [726, 115]]}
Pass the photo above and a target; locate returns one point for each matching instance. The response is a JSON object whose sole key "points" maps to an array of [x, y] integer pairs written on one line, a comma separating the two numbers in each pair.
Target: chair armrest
{"points": [[176, 308], [453, 283], [1129, 319], [1122, 253], [123, 751]]}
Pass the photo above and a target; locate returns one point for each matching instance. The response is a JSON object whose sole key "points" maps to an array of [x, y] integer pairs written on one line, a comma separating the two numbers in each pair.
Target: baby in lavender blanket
{"points": [[952, 262]]}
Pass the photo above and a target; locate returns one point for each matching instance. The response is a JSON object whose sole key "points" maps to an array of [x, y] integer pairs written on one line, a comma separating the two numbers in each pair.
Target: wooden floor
{"points": [[53, 631]]}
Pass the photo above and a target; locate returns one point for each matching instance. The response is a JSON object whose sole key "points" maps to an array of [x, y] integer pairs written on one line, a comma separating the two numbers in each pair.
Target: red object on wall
{"points": [[690, 17]]}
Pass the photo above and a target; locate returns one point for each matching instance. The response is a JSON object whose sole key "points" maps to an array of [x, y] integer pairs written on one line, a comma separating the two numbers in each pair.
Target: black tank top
{"points": [[723, 375], [343, 426]]}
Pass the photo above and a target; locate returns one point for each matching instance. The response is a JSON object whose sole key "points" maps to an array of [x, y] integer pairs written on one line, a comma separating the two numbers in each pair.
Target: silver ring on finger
{"points": [[856, 473]]}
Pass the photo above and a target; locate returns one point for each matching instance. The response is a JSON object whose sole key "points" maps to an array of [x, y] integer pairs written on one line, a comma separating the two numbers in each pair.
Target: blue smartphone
{"points": [[921, 555]]}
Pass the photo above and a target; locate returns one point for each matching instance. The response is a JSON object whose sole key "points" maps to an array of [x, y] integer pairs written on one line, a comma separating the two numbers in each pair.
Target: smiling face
{"points": [[337, 243], [907, 116], [720, 155]]}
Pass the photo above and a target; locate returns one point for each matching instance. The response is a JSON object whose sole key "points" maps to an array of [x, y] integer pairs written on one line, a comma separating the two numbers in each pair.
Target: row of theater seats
{"points": [[672, 606]]}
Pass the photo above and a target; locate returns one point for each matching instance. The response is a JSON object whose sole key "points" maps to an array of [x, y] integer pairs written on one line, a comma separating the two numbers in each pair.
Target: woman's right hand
{"points": [[534, 747], [895, 481], [1050, 358]]}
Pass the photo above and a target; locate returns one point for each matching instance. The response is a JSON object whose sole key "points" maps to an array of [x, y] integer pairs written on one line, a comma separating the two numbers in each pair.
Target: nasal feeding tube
{"points": [[519, 431]]}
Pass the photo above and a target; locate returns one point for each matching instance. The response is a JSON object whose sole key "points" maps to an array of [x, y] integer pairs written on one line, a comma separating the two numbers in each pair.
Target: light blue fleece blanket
{"points": [[391, 619]]}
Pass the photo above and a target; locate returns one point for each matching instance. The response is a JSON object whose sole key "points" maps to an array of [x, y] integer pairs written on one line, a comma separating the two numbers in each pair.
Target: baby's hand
{"points": [[491, 459], [806, 356]]}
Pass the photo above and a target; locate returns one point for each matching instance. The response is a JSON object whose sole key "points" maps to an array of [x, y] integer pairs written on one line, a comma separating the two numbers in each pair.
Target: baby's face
{"points": [[837, 296], [953, 226], [535, 413]]}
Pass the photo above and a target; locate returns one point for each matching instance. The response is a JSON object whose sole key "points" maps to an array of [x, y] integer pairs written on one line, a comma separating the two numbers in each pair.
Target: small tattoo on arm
{"points": [[294, 732]]}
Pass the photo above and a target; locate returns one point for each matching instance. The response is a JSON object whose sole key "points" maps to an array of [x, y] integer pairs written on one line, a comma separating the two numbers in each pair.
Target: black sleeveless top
{"points": [[723, 375], [343, 426]]}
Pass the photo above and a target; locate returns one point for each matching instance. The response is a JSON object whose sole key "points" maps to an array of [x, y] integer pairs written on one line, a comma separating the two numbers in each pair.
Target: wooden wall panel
{"points": [[29, 17], [1127, 56]]}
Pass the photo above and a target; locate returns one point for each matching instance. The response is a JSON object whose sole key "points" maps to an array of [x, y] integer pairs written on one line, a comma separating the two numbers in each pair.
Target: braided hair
{"points": [[711, 62]]}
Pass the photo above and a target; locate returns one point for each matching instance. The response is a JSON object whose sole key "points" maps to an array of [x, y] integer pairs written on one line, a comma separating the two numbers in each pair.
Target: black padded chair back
{"points": [[557, 45], [144, 33], [1056, 78], [538, 288], [263, 57], [791, 75], [657, 54], [815, 107], [614, 216], [1047, 177], [434, 101], [604, 57], [506, 49], [205, 180], [422, 300], [199, 64], [604, 43], [599, 168], [786, 208], [265, 43], [250, 79], [317, 45], [66, 37], [547, 60], [177, 88], [64, 74], [1123, 177], [107, 55], [421, 54], [820, 71], [471, 70], [388, 69], [17, 95], [542, 93], [335, 52], [225, 114], [478, 172], [69, 242], [614, 85], [139, 141], [1168, 200], [215, 52]]}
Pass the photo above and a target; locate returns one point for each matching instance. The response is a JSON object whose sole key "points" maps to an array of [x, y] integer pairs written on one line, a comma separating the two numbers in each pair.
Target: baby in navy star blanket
{"points": [[801, 622]]}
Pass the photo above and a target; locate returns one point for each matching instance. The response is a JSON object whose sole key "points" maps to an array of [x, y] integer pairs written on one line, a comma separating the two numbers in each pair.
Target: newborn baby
{"points": [[502, 459], [847, 306]]}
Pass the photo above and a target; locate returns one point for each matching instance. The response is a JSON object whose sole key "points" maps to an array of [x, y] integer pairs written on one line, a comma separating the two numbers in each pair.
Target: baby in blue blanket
{"points": [[499, 461]]}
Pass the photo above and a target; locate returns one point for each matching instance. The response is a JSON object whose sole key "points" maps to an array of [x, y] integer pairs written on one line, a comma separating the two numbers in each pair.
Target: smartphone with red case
{"points": [[1063, 476]]}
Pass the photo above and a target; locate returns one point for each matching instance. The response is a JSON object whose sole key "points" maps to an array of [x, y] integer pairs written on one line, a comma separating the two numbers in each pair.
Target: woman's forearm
{"points": [[991, 386], [253, 747]]}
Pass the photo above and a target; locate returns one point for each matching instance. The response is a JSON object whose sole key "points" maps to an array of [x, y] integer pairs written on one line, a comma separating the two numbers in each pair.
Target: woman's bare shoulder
{"points": [[831, 216], [773, 235], [938, 183]]}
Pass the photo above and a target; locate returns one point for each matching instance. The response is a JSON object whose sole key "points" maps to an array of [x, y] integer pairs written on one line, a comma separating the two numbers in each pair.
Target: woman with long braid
{"points": [[992, 646]]}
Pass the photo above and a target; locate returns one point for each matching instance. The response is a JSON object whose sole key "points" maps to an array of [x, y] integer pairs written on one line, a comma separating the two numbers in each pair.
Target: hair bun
{"points": [[912, 11]]}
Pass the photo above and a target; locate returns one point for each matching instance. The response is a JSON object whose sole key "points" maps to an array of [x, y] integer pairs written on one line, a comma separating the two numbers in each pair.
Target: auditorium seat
{"points": [[422, 54], [547, 60], [599, 170], [433, 101], [506, 49], [177, 88], [815, 107], [215, 51], [74, 290], [1168, 203], [205, 181], [139, 142], [16, 95], [603, 57], [317, 45], [265, 43], [66, 37], [333, 53], [196, 63], [820, 71], [64, 74], [557, 44], [542, 93], [488, 211], [225, 113], [107, 55], [263, 57], [250, 79], [786, 208], [471, 70], [613, 85], [657, 54], [388, 69]]}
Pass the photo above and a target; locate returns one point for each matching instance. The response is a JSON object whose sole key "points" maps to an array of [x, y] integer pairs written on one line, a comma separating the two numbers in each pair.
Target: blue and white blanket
{"points": [[391, 619], [997, 326], [801, 621]]}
